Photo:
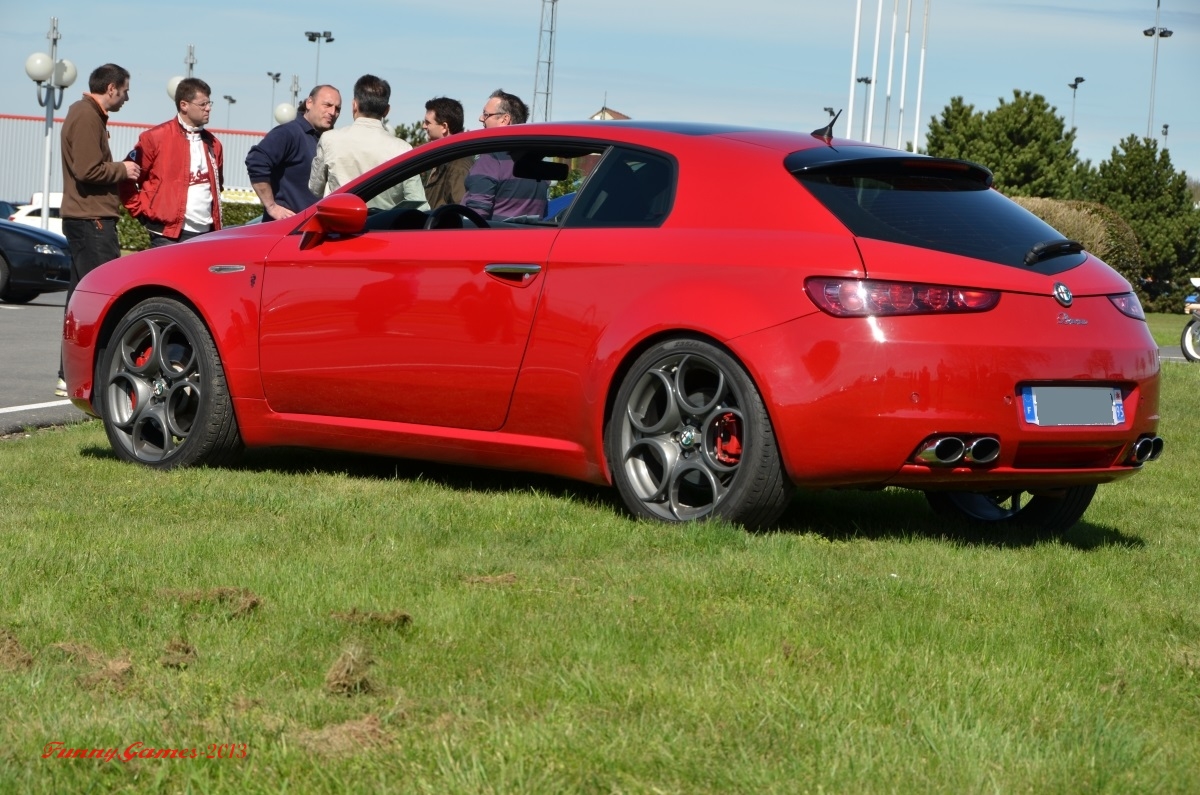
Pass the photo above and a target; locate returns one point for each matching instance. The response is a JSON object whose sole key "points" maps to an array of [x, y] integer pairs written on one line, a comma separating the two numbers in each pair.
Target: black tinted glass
{"points": [[930, 205]]}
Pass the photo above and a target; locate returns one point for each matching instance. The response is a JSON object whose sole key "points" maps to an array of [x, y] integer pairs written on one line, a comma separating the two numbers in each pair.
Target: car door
{"points": [[423, 326]]}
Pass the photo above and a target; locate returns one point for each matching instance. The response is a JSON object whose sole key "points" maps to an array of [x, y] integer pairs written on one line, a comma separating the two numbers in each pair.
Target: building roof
{"points": [[608, 114]]}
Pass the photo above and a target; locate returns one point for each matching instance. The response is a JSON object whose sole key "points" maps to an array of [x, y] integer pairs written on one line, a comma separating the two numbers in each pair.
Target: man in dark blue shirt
{"points": [[280, 163]]}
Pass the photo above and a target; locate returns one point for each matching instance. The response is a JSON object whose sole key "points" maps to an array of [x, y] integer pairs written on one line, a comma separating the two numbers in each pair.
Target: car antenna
{"points": [[826, 132]]}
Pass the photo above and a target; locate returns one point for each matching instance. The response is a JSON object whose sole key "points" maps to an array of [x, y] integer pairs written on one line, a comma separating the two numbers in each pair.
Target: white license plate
{"points": [[1053, 406]]}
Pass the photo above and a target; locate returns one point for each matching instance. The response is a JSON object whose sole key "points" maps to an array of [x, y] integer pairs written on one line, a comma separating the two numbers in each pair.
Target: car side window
{"points": [[506, 186], [632, 189]]}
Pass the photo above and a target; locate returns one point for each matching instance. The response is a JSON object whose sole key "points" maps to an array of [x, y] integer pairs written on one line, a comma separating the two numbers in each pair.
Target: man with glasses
{"points": [[91, 202], [179, 193], [445, 184], [491, 189]]}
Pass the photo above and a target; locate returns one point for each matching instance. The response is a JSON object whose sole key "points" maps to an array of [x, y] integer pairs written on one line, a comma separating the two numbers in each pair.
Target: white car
{"points": [[31, 214]]}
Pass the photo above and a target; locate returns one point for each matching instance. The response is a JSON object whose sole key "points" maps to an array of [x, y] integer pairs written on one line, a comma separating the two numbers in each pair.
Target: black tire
{"points": [[689, 438], [7, 294], [161, 390], [1189, 341], [1041, 515]]}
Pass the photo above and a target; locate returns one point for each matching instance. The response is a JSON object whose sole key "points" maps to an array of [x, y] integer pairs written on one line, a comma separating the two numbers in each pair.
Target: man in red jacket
{"points": [[179, 193]]}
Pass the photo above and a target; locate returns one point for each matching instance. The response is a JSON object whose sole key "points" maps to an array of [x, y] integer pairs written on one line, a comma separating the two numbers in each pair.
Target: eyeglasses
{"points": [[486, 116], [205, 104]]}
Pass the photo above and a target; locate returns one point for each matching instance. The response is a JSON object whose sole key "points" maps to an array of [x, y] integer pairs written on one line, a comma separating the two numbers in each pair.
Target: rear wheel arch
{"points": [[687, 434]]}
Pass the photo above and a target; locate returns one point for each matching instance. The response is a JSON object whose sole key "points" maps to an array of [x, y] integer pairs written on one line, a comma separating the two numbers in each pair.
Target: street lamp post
{"points": [[274, 82], [189, 62], [325, 36], [286, 111], [54, 75], [228, 109], [1073, 85], [1155, 33], [1165, 126], [866, 96]]}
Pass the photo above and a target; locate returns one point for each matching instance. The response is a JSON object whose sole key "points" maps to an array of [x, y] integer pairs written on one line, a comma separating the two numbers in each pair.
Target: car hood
{"points": [[36, 233]]}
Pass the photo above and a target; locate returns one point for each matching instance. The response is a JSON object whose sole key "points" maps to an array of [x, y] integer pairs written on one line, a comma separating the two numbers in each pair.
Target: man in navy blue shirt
{"points": [[280, 163]]}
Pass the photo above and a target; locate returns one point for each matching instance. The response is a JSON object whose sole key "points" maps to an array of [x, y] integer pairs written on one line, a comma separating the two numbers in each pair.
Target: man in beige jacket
{"points": [[342, 155]]}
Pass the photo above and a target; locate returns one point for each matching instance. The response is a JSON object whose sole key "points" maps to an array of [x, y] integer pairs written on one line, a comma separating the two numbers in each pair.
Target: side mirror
{"points": [[339, 213]]}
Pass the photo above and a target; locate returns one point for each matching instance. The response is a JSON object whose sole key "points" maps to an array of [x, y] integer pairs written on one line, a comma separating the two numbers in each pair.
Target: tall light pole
{"points": [[1073, 85], [318, 37], [274, 82], [1165, 126], [286, 111], [189, 62], [228, 108], [1156, 33], [54, 75], [866, 98]]}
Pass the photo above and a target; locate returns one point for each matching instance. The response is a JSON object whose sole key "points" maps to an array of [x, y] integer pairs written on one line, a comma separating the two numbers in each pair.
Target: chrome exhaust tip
{"points": [[1156, 448], [1142, 449], [983, 450], [942, 451]]}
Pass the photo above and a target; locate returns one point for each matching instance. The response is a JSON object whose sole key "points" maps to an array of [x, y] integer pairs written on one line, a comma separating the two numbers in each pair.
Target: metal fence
{"points": [[23, 153]]}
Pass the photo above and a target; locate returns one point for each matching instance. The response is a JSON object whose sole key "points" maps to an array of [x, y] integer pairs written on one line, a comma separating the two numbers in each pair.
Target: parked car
{"points": [[873, 318], [31, 214], [7, 209], [32, 262]]}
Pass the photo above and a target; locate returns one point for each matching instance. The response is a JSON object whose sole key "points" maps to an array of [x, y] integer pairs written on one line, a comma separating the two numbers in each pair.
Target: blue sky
{"points": [[771, 63]]}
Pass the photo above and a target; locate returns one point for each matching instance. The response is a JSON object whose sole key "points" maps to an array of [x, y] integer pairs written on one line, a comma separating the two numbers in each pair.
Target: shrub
{"points": [[134, 237]]}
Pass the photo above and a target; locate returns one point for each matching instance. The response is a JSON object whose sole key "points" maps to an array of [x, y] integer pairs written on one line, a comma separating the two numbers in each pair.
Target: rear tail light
{"points": [[868, 298], [1129, 305]]}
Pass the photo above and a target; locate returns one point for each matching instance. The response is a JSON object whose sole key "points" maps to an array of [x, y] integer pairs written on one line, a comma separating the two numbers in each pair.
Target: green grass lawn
{"points": [[1166, 327], [353, 624]]}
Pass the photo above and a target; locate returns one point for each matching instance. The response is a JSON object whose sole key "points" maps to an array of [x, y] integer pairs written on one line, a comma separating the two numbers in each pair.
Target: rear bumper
{"points": [[852, 400]]}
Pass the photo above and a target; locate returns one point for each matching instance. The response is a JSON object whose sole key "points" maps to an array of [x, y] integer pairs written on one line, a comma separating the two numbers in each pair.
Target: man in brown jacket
{"points": [[445, 183], [91, 202]]}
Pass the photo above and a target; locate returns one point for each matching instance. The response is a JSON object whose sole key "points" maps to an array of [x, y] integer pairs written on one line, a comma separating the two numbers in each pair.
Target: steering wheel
{"points": [[434, 221]]}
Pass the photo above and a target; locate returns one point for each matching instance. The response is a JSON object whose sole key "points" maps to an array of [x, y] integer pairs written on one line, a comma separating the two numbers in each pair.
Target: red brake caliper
{"points": [[729, 442], [139, 362]]}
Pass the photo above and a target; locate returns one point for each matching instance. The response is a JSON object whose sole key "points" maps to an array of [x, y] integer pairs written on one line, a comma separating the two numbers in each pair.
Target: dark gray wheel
{"points": [[161, 390], [1039, 514], [1190, 340], [689, 438]]}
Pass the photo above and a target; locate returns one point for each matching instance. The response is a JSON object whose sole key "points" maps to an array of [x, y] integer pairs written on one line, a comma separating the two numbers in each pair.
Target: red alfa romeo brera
{"points": [[718, 315]]}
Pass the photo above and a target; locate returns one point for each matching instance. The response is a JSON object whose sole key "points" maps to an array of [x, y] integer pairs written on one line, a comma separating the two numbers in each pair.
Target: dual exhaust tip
{"points": [[947, 451], [1147, 448]]}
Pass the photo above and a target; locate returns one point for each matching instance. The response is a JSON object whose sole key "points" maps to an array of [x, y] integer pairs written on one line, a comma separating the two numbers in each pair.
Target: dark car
{"points": [[32, 261], [7, 209]]}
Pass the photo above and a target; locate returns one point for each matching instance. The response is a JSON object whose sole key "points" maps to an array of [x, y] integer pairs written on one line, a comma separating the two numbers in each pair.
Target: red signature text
{"points": [[139, 750]]}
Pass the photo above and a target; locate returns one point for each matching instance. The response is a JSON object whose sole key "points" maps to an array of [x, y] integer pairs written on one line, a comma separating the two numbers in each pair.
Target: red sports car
{"points": [[720, 315]]}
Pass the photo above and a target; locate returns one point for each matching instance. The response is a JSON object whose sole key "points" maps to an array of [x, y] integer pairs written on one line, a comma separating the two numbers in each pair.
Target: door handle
{"points": [[513, 271]]}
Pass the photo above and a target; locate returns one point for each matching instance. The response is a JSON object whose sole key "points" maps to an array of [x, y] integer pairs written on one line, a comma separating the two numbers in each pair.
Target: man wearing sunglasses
{"points": [[178, 195]]}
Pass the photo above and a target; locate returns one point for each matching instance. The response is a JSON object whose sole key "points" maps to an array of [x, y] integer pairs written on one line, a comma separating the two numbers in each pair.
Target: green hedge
{"points": [[134, 237]]}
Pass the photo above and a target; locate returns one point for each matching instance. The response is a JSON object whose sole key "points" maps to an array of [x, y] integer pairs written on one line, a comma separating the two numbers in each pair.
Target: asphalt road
{"points": [[29, 343]]}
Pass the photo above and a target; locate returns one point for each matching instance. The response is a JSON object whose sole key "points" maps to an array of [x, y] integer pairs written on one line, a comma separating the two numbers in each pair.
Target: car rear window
{"points": [[943, 205]]}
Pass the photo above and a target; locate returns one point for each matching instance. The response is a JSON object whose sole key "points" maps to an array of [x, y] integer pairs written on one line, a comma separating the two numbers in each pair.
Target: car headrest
{"points": [[531, 166]]}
